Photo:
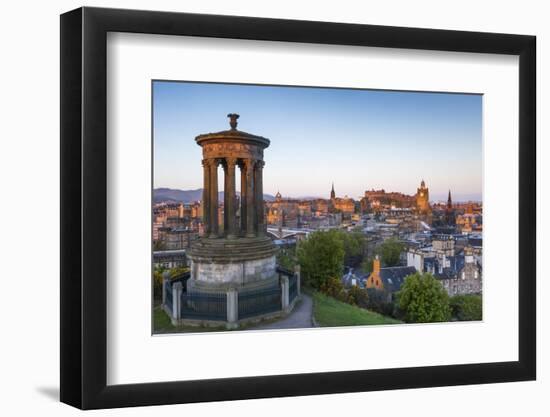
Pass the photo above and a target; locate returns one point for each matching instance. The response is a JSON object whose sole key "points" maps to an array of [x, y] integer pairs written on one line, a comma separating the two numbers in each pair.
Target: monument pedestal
{"points": [[218, 264]]}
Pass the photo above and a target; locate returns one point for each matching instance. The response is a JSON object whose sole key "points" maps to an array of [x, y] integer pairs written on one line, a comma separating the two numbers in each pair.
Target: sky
{"points": [[356, 139]]}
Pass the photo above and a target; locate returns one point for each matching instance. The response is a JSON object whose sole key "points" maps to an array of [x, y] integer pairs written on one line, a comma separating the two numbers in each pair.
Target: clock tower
{"points": [[423, 199]]}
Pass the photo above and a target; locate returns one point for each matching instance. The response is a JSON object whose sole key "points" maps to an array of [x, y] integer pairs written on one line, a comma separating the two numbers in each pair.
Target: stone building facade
{"points": [[344, 205], [458, 271], [377, 200], [468, 277], [443, 245], [283, 212]]}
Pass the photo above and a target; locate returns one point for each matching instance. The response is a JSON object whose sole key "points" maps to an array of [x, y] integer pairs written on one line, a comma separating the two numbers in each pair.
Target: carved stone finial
{"points": [[233, 120]]}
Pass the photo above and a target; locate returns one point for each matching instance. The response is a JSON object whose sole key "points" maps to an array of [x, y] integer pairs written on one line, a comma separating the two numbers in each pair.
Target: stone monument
{"points": [[238, 255]]}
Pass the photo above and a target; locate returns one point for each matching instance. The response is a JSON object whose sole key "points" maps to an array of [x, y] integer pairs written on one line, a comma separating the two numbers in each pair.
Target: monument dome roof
{"points": [[233, 134]]}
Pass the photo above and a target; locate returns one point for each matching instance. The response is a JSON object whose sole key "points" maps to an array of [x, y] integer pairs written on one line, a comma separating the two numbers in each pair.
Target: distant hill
{"points": [[169, 194], [187, 196]]}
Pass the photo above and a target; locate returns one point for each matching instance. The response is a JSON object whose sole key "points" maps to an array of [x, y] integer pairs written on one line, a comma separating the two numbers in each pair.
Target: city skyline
{"points": [[357, 139]]}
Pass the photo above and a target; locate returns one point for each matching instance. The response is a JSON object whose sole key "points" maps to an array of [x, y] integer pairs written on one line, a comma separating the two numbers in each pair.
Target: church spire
{"points": [[332, 193], [449, 212]]}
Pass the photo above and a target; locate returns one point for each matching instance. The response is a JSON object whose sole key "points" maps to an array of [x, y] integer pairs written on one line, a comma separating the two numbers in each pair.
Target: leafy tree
{"points": [[354, 247], [366, 265], [423, 299], [321, 256], [466, 307], [390, 251]]}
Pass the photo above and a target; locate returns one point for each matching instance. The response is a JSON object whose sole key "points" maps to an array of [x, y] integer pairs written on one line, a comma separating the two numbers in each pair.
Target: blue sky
{"points": [[358, 139]]}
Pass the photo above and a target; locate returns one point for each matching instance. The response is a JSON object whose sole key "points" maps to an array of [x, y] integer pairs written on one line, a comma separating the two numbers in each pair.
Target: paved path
{"points": [[299, 318]]}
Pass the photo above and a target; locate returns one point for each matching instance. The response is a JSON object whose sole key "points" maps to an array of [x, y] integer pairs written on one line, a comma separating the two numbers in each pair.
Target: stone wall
{"points": [[234, 273]]}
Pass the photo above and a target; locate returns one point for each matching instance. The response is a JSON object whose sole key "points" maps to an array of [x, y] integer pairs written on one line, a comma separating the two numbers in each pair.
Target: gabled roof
{"points": [[475, 241], [394, 277], [456, 264]]}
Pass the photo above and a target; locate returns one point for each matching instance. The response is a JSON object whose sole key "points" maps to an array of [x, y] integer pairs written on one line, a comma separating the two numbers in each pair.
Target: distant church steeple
{"points": [[449, 212], [332, 193]]}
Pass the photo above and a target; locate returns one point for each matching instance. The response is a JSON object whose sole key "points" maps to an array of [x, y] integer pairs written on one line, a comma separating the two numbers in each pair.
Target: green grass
{"points": [[161, 321], [329, 312]]}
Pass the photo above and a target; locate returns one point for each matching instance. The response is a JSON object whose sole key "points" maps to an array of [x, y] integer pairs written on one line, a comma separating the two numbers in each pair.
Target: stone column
{"points": [[250, 198], [165, 283], [177, 289], [243, 198], [213, 203], [259, 193], [284, 293], [225, 182], [229, 197], [232, 309], [206, 197]]}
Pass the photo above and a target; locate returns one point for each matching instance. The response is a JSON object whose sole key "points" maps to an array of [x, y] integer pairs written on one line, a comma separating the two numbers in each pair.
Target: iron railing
{"points": [[292, 288], [202, 305], [168, 286], [261, 301]]}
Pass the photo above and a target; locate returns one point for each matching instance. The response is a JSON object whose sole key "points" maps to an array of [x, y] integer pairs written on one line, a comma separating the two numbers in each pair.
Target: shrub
{"points": [[334, 288], [466, 307], [378, 301], [174, 272], [158, 278], [358, 297], [157, 283], [287, 258]]}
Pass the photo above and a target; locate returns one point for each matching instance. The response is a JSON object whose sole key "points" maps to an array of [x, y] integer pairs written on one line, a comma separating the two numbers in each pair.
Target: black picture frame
{"points": [[84, 207]]}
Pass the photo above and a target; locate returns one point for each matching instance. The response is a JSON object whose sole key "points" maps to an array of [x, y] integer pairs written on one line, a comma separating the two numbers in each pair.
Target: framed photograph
{"points": [[256, 208]]}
